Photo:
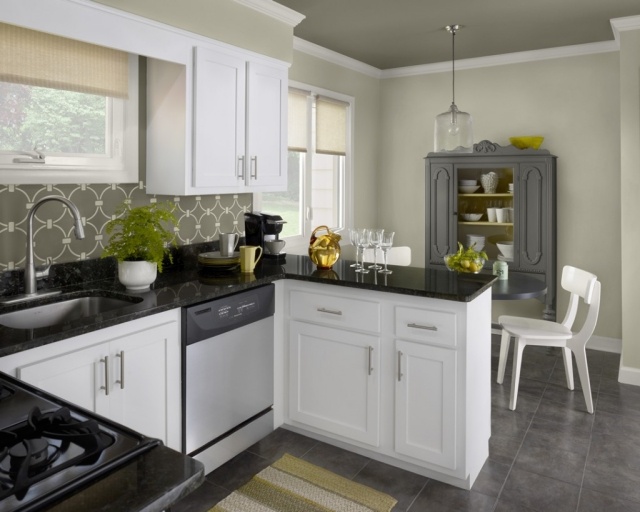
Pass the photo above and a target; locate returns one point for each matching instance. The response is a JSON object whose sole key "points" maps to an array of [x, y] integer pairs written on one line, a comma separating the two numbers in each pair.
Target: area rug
{"points": [[294, 485]]}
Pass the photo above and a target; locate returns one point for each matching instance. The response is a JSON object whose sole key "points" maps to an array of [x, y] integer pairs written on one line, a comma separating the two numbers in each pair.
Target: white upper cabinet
{"points": [[238, 117], [219, 114]]}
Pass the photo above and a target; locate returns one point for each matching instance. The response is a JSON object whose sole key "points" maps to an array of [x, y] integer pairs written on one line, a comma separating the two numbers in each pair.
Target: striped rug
{"points": [[293, 485]]}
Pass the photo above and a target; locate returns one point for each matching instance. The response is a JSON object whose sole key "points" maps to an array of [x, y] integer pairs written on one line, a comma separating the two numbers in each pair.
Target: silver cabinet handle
{"points": [[330, 311], [400, 366], [105, 360], [121, 381], [254, 168], [240, 171], [370, 360], [425, 327]]}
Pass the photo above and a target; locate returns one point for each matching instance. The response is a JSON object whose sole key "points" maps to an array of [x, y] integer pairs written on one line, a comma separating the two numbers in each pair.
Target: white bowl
{"points": [[468, 190], [476, 240], [506, 248], [472, 216], [467, 183]]}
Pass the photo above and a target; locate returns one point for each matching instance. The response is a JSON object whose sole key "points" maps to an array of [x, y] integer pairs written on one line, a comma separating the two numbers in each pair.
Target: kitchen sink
{"points": [[64, 310]]}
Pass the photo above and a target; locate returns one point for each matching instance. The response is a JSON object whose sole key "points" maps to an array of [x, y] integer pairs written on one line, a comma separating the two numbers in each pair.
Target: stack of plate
{"points": [[478, 240], [215, 261]]}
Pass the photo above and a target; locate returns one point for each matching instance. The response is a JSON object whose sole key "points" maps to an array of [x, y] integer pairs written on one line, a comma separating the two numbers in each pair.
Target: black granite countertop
{"points": [[152, 482], [188, 284]]}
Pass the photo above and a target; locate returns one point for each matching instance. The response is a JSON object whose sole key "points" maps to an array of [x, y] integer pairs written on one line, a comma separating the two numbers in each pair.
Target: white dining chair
{"points": [[398, 255], [530, 331]]}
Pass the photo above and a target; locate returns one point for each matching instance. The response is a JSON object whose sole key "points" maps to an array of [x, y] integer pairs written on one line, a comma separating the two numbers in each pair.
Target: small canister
{"points": [[501, 269]]}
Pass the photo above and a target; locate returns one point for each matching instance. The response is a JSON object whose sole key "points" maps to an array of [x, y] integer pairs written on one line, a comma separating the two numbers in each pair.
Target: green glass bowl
{"points": [[472, 266]]}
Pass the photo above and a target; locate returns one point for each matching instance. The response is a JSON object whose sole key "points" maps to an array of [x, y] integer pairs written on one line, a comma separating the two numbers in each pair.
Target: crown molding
{"points": [[507, 58], [320, 52], [275, 10], [335, 58], [623, 24]]}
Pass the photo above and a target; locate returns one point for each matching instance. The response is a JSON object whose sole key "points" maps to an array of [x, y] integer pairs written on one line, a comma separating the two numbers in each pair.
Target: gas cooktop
{"points": [[50, 448]]}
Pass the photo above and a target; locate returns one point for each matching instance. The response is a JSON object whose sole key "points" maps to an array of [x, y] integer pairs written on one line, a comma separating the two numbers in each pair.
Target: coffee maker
{"points": [[264, 229]]}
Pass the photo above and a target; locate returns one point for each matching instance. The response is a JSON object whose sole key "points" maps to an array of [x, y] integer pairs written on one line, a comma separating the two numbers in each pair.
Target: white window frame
{"points": [[299, 244], [118, 165]]}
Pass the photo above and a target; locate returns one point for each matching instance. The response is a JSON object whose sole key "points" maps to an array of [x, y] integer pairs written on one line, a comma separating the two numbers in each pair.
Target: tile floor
{"points": [[548, 455]]}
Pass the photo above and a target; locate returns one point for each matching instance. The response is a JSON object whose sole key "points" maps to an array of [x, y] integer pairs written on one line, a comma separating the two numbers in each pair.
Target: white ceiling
{"points": [[396, 33]]}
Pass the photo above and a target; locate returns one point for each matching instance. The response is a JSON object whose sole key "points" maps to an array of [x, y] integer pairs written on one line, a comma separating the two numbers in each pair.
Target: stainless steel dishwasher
{"points": [[227, 375]]}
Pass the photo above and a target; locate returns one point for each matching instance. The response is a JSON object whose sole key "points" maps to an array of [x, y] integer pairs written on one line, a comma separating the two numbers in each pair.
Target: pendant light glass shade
{"points": [[453, 130]]}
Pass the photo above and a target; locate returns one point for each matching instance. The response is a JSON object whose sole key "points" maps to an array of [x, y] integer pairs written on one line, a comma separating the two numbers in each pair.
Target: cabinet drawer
{"points": [[426, 325], [335, 311]]}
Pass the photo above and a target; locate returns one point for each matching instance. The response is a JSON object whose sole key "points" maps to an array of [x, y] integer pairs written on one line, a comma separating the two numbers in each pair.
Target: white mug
{"points": [[501, 214], [508, 215], [228, 243], [491, 214]]}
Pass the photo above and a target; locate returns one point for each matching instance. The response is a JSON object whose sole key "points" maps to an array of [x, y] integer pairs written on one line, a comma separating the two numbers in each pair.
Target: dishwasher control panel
{"points": [[218, 316]]}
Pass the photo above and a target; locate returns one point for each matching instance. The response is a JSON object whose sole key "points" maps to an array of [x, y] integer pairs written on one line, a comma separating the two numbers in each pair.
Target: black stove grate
{"points": [[45, 444]]}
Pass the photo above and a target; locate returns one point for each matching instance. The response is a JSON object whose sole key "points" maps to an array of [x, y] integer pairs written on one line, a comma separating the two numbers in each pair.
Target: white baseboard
{"points": [[605, 344], [628, 375]]}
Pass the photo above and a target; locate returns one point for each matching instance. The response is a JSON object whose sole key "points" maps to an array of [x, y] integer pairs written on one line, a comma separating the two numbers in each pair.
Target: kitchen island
{"points": [[451, 351], [184, 284]]}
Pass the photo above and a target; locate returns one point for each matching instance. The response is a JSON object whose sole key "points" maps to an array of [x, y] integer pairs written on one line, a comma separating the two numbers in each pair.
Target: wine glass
{"points": [[385, 245], [353, 238], [363, 239], [376, 240]]}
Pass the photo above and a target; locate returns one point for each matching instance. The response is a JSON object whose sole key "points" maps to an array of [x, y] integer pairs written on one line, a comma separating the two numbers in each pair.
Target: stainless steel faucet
{"points": [[31, 274]]}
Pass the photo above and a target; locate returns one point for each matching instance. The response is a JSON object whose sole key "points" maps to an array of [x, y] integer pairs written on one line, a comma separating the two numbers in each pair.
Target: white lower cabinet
{"points": [[401, 379], [335, 381], [425, 426], [129, 373]]}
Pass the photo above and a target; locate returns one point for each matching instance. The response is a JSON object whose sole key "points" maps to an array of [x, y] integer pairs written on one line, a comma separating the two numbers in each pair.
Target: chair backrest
{"points": [[581, 338], [399, 255], [581, 285]]}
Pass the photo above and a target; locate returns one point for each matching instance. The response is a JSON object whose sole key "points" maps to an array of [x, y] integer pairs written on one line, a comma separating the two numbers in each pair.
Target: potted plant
{"points": [[140, 241]]}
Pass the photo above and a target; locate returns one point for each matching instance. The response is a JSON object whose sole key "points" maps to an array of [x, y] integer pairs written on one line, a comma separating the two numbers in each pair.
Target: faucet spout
{"points": [[30, 273]]}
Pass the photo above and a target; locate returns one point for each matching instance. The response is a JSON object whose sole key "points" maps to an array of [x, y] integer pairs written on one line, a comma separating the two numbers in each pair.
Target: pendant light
{"points": [[453, 128]]}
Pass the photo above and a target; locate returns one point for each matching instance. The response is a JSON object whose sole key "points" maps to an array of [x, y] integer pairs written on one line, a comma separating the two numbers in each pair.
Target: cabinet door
{"points": [[335, 381], [425, 426], [534, 211], [266, 127], [77, 376], [139, 382], [219, 120], [442, 212]]}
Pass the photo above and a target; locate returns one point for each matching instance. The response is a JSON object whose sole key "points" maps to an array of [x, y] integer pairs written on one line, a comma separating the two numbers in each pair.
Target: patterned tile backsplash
{"points": [[200, 219]]}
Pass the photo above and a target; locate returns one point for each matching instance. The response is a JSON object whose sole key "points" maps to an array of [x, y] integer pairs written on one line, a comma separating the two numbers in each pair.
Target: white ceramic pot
{"points": [[137, 276], [489, 182]]}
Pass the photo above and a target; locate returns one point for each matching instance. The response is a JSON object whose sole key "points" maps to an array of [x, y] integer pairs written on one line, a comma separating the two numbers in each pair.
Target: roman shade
{"points": [[298, 135], [331, 126], [39, 59]]}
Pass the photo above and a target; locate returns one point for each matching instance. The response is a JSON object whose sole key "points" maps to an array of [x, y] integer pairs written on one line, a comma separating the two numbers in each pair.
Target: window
{"points": [[319, 165], [68, 110]]}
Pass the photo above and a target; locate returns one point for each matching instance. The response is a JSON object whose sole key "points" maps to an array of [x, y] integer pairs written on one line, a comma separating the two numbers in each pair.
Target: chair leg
{"points": [[515, 376], [505, 341], [583, 372], [568, 366]]}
